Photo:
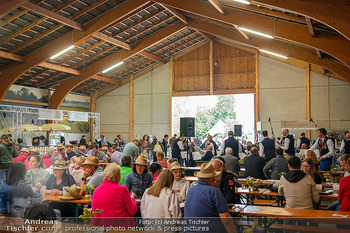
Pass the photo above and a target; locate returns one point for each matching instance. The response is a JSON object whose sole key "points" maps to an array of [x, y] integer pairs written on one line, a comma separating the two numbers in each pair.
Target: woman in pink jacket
{"points": [[114, 200]]}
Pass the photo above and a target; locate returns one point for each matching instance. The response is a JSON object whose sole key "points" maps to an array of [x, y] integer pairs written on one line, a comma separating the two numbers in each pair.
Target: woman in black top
{"points": [[59, 179], [309, 168]]}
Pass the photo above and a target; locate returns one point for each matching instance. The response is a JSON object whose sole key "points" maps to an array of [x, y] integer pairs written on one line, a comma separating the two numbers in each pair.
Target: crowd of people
{"points": [[122, 173]]}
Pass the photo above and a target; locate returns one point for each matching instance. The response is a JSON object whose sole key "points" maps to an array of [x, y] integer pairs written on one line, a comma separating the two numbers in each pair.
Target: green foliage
{"points": [[223, 110]]}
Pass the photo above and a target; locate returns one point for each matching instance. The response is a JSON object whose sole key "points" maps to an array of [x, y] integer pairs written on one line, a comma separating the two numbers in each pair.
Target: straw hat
{"points": [[68, 144], [175, 165], [81, 160], [104, 144], [24, 150], [59, 165], [104, 148], [141, 160], [60, 147], [207, 171], [91, 160], [31, 149], [34, 150], [139, 140], [71, 193]]}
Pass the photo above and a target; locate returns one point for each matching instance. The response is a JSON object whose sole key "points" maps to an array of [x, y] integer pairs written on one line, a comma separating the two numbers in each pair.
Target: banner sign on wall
{"points": [[78, 116], [298, 125], [50, 114]]}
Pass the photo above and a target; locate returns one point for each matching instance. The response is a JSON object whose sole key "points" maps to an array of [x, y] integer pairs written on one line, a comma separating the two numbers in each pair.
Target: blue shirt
{"points": [[204, 200], [138, 184]]}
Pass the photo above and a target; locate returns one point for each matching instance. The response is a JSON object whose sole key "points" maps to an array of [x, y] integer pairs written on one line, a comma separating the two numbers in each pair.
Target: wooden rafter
{"points": [[25, 80], [64, 88], [13, 71], [335, 16], [310, 26], [53, 16], [12, 56], [112, 40], [59, 68], [205, 35], [9, 5], [176, 13], [241, 32], [333, 44], [152, 57], [217, 6], [13, 17], [280, 47], [104, 79]]}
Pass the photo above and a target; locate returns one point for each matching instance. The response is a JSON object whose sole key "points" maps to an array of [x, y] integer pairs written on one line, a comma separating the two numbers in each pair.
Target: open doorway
{"points": [[216, 115]]}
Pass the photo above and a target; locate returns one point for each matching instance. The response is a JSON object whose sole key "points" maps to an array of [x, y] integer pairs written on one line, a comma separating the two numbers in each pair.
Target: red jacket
{"points": [[47, 161], [20, 158], [115, 201], [344, 194]]}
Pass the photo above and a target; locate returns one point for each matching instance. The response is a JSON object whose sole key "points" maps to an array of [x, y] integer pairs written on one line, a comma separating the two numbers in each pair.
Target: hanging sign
{"points": [[78, 116], [50, 114]]}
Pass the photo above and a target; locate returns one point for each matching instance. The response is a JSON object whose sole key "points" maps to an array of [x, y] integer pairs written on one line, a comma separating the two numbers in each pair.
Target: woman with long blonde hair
{"points": [[160, 201], [308, 167], [311, 154]]}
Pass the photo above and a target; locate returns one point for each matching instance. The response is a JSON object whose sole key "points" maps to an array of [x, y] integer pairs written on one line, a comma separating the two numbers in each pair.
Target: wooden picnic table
{"points": [[78, 202], [333, 172]]}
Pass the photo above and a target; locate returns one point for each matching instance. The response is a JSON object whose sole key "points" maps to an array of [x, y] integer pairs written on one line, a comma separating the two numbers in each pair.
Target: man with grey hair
{"points": [[207, 154], [231, 161], [225, 181]]}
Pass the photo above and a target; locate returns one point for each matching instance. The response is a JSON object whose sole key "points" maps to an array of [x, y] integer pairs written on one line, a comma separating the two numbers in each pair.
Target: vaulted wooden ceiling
{"points": [[143, 33]]}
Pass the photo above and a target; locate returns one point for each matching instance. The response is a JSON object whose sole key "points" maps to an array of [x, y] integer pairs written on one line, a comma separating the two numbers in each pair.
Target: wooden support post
{"points": [[257, 116], [93, 99], [131, 131], [211, 69], [308, 98], [171, 95]]}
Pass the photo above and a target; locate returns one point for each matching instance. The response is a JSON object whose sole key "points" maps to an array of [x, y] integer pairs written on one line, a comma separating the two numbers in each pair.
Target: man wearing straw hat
{"points": [[69, 151], [204, 200], [92, 175]]}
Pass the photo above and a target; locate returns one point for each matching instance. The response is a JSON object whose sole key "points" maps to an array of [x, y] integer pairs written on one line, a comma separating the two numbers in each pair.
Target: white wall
{"points": [[283, 97], [151, 106]]}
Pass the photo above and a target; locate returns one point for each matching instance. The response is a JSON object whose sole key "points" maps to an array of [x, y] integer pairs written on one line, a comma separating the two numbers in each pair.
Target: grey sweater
{"points": [[277, 165]]}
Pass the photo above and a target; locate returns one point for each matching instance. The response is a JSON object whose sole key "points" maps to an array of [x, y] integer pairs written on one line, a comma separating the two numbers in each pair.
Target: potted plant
{"points": [[328, 178], [88, 215], [250, 181], [88, 191], [255, 228]]}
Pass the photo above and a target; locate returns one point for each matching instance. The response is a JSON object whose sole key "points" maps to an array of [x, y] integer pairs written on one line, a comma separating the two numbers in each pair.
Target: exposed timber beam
{"points": [[208, 37], [241, 32], [9, 5], [13, 71], [112, 40], [59, 68], [333, 14], [12, 56], [65, 87], [262, 11], [310, 26], [175, 12], [104, 79], [152, 57], [217, 6], [331, 43], [294, 51], [53, 16]]}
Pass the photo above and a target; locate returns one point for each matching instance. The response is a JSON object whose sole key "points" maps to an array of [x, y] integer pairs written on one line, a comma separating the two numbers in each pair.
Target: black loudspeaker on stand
{"points": [[187, 128], [238, 130]]}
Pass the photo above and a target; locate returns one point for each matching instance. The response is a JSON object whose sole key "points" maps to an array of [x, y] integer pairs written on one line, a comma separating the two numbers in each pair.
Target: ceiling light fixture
{"points": [[62, 52], [112, 67], [242, 1], [272, 53], [255, 32]]}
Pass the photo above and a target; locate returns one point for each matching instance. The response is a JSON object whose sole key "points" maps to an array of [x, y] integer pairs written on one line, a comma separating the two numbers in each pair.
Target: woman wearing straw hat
{"points": [[204, 200], [59, 179], [180, 184], [140, 179], [160, 201], [117, 203]]}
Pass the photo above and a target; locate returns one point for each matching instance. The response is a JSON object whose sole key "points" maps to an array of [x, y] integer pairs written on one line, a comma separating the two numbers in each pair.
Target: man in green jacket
{"points": [[7, 153]]}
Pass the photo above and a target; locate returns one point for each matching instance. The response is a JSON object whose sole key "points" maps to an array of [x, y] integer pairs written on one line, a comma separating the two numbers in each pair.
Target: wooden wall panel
{"points": [[234, 71]]}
